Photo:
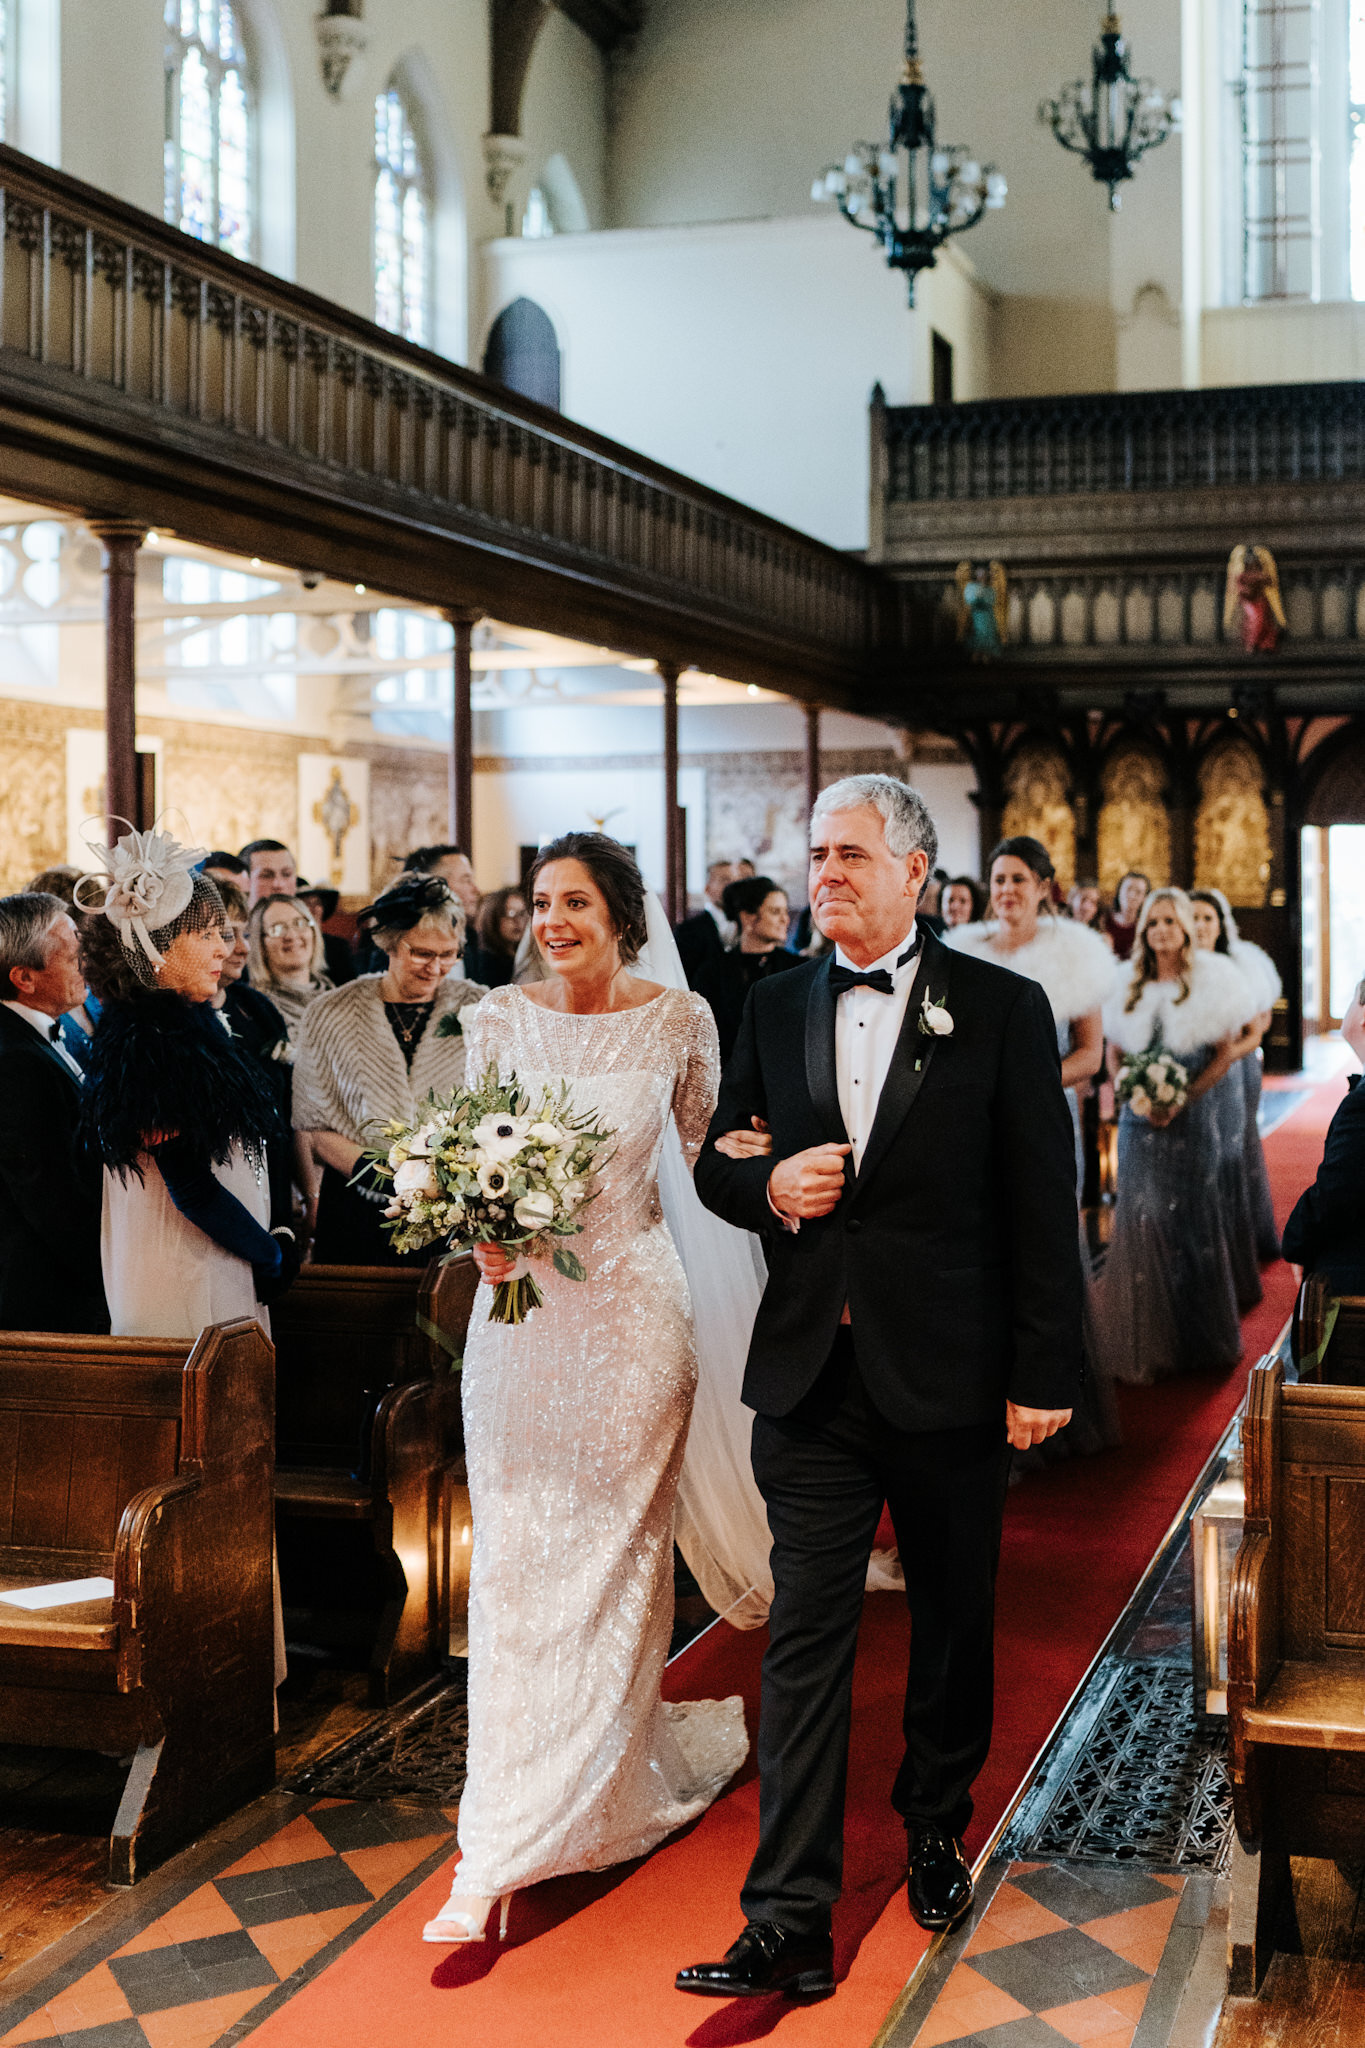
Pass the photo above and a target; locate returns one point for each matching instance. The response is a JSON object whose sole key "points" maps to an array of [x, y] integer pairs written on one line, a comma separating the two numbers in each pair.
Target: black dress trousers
{"points": [[825, 1471]]}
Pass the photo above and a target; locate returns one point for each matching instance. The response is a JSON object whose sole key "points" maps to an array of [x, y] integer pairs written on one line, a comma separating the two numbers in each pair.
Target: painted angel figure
{"points": [[1251, 600], [982, 618]]}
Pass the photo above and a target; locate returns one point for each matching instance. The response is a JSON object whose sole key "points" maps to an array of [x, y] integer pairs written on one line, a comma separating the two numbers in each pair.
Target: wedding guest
{"points": [[178, 1116], [1166, 1302], [338, 961], [374, 1050], [285, 957], [271, 869], [49, 1185], [964, 902], [498, 931], [261, 1034], [77, 1026], [1326, 1228], [931, 902], [221, 866], [451, 865], [1122, 921], [759, 910], [1229, 1100], [705, 936], [1083, 907]]}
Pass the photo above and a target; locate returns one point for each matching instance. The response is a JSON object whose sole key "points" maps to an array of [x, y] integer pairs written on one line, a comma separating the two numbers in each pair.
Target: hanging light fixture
{"points": [[911, 192], [1114, 120]]}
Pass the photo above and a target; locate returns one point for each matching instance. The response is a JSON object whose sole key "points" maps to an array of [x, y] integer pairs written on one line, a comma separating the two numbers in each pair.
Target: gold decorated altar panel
{"points": [[1134, 828], [1232, 828], [1038, 804]]}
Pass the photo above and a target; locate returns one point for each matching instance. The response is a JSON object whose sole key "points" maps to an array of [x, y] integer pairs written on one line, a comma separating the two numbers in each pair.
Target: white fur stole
{"points": [[1220, 1000], [1071, 964], [1259, 969]]}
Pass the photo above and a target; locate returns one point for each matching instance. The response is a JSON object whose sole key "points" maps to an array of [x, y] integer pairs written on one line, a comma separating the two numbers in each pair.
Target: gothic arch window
{"points": [[210, 125], [523, 352], [402, 220]]}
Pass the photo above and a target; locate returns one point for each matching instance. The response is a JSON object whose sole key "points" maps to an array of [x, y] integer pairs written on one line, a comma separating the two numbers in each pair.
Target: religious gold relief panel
{"points": [[1134, 830], [1232, 829], [1037, 803]]}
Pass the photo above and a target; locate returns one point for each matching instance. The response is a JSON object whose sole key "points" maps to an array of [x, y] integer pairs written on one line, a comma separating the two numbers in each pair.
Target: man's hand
{"points": [[1028, 1426], [754, 1144], [809, 1183]]}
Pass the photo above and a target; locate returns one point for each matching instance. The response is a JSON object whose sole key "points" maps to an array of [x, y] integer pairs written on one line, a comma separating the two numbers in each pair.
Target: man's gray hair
{"points": [[26, 923], [904, 813]]}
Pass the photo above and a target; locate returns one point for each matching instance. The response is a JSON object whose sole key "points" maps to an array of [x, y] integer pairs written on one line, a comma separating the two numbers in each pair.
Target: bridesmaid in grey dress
{"points": [[1077, 972], [1230, 1105], [1166, 1302], [575, 1425]]}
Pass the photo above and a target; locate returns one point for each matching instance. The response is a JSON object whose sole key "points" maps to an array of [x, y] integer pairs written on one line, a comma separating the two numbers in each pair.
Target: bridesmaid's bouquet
{"points": [[490, 1165], [1152, 1080]]}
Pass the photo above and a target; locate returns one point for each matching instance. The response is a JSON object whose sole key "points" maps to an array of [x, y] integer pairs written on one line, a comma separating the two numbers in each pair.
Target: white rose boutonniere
{"points": [[935, 1021]]}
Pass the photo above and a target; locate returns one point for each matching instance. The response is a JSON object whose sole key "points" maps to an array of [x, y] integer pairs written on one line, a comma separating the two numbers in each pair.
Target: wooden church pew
{"points": [[126, 1460], [1296, 1654], [368, 1431]]}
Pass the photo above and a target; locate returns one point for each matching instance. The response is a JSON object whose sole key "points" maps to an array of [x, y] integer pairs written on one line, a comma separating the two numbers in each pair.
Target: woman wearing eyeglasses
{"points": [[285, 959], [371, 1052]]}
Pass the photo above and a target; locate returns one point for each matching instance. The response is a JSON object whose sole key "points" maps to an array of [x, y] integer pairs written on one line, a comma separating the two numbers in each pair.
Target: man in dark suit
{"points": [[922, 1314], [1326, 1229], [702, 939], [50, 1190]]}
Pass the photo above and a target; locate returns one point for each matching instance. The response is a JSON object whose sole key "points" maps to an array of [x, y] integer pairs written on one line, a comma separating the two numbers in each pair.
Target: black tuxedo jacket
{"points": [[1326, 1230], [700, 948], [956, 1246], [50, 1192]]}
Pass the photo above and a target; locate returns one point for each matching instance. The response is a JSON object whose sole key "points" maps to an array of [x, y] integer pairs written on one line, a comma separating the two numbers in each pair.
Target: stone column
{"points": [[462, 731], [120, 540], [674, 897]]}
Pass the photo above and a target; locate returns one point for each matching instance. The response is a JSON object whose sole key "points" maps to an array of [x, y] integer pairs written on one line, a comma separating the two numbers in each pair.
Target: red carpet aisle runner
{"points": [[589, 1962]]}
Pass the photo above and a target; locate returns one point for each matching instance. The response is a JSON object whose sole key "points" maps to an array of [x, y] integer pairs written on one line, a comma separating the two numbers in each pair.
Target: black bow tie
{"points": [[841, 979], [54, 1031]]}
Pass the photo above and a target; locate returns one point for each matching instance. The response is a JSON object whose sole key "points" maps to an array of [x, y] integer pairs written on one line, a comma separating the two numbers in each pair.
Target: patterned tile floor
{"points": [[1058, 1953], [210, 1951]]}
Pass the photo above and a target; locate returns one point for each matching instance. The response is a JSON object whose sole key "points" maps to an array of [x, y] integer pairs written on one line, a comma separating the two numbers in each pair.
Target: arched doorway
{"points": [[523, 352]]}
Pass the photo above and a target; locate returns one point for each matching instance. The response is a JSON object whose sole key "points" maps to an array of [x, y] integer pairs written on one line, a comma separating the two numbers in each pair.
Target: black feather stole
{"points": [[165, 1065]]}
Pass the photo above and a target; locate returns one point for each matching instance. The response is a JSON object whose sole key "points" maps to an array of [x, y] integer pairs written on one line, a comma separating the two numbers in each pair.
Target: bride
{"points": [[575, 1424]]}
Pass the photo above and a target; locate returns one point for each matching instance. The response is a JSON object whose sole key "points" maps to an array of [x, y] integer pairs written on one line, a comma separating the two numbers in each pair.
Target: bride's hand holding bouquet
{"points": [[491, 1172], [1154, 1085]]}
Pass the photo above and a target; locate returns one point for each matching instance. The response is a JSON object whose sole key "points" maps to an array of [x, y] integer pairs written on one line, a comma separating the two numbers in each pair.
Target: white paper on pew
{"points": [[68, 1593]]}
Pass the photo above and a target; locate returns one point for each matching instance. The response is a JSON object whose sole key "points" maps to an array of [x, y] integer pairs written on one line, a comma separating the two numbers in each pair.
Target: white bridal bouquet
{"points": [[1152, 1080], [485, 1166]]}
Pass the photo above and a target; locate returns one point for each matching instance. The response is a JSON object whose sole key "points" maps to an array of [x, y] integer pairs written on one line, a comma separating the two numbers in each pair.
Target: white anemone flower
{"points": [[499, 1137]]}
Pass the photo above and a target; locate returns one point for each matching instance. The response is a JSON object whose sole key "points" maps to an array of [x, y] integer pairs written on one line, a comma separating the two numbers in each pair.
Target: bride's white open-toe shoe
{"points": [[455, 1924]]}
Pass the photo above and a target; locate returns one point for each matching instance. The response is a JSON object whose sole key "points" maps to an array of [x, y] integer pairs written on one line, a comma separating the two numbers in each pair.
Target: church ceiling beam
{"points": [[608, 22], [514, 27]]}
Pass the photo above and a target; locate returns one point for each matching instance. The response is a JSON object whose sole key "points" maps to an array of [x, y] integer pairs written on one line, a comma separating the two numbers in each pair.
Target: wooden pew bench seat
{"points": [[82, 1625], [1312, 1706], [323, 1495]]}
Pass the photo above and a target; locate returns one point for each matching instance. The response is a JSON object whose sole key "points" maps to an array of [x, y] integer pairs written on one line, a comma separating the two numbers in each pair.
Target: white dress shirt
{"points": [[866, 1027], [728, 933], [43, 1024]]}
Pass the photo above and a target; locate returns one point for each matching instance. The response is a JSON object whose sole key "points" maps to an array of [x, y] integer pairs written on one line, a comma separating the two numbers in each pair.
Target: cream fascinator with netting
{"points": [[149, 886]]}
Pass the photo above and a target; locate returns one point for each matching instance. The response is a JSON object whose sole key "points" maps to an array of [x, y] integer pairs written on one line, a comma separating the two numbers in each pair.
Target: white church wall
{"points": [[744, 354]]}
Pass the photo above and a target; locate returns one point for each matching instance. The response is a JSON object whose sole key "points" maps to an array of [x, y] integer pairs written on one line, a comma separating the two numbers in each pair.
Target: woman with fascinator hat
{"points": [[371, 1052], [179, 1118]]}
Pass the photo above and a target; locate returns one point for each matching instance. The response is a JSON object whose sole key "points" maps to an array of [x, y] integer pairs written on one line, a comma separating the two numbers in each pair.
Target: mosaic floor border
{"points": [[207, 1948]]}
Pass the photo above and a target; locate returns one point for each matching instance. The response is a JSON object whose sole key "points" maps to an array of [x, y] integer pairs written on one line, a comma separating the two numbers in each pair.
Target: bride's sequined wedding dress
{"points": [[575, 1424]]}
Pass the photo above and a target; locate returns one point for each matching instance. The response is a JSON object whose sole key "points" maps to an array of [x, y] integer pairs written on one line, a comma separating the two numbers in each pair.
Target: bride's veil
{"points": [[722, 1526]]}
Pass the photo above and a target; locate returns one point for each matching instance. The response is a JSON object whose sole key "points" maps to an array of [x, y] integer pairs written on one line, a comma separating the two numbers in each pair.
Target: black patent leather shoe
{"points": [[939, 1884], [766, 1959]]}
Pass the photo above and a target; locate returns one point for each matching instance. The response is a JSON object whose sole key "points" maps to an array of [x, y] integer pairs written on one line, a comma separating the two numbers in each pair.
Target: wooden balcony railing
{"points": [[143, 374], [1126, 441]]}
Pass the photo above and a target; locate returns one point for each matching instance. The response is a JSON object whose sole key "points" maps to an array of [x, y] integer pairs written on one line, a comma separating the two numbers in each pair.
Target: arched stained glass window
{"points": [[402, 222], [210, 125]]}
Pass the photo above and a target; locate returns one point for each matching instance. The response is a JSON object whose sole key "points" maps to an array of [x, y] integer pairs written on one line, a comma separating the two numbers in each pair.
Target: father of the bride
{"points": [[922, 1313]]}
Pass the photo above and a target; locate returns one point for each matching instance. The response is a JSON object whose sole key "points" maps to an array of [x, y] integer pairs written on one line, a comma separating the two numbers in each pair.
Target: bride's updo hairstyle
{"points": [[614, 871], [1144, 959], [1036, 859]]}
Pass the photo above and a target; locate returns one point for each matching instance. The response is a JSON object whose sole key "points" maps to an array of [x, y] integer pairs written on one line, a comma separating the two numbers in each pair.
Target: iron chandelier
{"points": [[911, 192], [1116, 118]]}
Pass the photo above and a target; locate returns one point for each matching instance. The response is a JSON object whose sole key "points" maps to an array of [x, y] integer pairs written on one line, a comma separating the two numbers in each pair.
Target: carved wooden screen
{"points": [[1037, 802], [1134, 830], [1232, 830]]}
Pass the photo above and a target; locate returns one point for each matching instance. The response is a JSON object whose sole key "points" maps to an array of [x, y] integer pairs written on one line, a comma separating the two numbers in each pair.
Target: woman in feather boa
{"points": [[1077, 972], [1211, 936], [1260, 970], [1166, 1302]]}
